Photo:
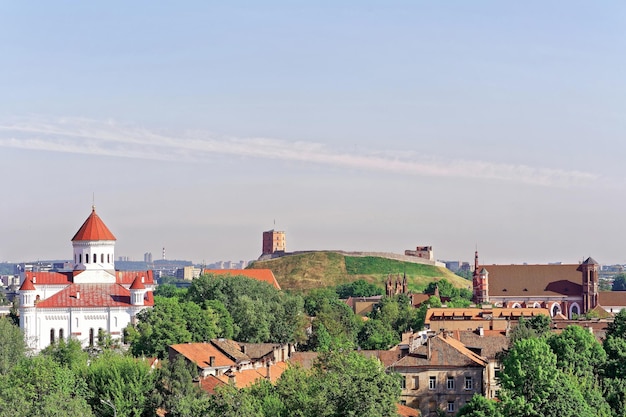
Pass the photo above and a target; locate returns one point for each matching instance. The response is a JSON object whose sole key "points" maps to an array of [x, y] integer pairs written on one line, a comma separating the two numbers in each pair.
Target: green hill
{"points": [[328, 269]]}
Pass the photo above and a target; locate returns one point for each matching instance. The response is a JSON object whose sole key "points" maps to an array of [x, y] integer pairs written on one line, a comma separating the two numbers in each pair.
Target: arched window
{"points": [[516, 305], [95, 258], [556, 309], [86, 258], [102, 258], [574, 310], [536, 305], [91, 337], [61, 334], [76, 322], [80, 258], [52, 336]]}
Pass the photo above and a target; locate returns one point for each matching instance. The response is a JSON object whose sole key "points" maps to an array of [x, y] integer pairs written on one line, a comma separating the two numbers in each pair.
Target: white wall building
{"points": [[93, 297]]}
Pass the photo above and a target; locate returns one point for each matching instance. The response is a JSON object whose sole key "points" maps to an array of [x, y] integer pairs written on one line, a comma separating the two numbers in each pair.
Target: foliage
{"points": [[260, 312], [375, 334], [170, 291], [447, 290], [175, 390], [125, 381], [38, 386], [358, 288], [340, 384], [619, 283], [68, 354], [578, 352], [536, 326], [169, 322], [335, 324], [12, 345], [480, 406]]}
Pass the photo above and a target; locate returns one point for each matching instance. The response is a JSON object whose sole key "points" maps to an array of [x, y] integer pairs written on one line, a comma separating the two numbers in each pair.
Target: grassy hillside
{"points": [[326, 269]]}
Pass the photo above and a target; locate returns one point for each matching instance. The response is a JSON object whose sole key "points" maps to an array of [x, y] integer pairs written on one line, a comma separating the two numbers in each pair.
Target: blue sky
{"points": [[370, 125]]}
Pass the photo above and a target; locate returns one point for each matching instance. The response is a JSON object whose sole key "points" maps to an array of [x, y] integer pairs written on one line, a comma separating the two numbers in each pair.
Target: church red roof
{"points": [[137, 284], [92, 295], [93, 229], [27, 285]]}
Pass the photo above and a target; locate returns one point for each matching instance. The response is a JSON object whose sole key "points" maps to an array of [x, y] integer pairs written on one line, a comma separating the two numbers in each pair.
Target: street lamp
{"points": [[110, 404]]}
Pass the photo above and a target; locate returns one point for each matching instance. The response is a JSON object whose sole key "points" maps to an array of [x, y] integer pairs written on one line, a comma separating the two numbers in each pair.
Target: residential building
{"points": [[474, 318], [441, 374]]}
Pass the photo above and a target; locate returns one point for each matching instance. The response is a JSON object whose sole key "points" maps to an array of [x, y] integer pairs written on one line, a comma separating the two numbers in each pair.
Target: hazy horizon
{"points": [[359, 126]]}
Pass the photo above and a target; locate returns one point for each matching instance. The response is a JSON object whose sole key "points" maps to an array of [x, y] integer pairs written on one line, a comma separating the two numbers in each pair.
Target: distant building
{"points": [[147, 257], [273, 242], [188, 272], [425, 252]]}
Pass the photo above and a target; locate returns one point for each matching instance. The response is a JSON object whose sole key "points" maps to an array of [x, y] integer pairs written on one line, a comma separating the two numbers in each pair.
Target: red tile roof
{"points": [[127, 277], [209, 384], [265, 275], [247, 377], [534, 280], [92, 295], [49, 278], [199, 353], [612, 298], [404, 411], [137, 284], [93, 229], [27, 285]]}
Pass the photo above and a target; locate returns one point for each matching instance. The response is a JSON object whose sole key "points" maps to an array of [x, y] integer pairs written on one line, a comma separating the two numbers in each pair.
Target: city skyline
{"points": [[364, 126]]}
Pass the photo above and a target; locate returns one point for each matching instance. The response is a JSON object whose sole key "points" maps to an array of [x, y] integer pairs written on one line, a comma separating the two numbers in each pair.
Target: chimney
{"points": [[267, 368], [78, 295], [481, 331], [231, 378], [211, 361]]}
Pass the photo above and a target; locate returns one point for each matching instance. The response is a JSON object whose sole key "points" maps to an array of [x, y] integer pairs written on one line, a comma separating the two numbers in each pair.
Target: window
{"points": [[80, 258], [95, 258], [468, 383], [416, 382], [450, 406], [432, 382], [51, 336], [403, 382], [86, 258], [450, 382], [91, 337], [61, 334], [102, 258]]}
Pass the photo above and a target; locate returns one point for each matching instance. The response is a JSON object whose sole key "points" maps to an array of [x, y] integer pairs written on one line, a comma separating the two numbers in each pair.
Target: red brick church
{"points": [[567, 290]]}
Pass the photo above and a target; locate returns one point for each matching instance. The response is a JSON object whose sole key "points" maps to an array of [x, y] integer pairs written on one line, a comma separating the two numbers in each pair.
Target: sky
{"points": [[194, 126]]}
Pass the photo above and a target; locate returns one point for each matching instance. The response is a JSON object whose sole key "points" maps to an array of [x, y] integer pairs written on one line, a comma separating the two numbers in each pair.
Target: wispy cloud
{"points": [[83, 136]]}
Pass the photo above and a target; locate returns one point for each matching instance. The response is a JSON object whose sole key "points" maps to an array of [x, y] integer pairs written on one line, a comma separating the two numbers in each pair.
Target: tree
{"points": [[68, 354], [259, 311], [376, 335], [577, 351], [12, 345], [39, 386], [480, 406], [125, 381], [175, 391], [358, 288], [619, 283], [340, 384]]}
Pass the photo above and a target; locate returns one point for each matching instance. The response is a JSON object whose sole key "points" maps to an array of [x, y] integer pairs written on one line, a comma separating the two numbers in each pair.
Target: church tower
{"points": [[94, 252], [480, 281], [590, 276]]}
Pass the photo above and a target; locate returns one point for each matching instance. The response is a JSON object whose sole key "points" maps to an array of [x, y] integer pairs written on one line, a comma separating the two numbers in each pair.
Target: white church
{"points": [[91, 299]]}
